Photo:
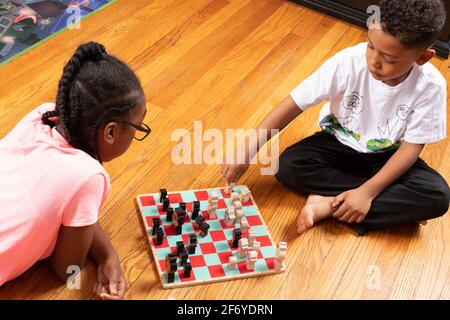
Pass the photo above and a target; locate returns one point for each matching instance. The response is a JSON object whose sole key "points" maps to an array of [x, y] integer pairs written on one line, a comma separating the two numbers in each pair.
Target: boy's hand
{"points": [[111, 284], [353, 205], [232, 172]]}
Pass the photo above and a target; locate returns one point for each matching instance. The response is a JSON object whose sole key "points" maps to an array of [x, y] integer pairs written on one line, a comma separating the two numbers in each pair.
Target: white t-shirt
{"points": [[369, 115]]}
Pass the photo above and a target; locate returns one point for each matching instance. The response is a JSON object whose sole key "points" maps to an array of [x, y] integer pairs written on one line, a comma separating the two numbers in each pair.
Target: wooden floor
{"points": [[226, 63]]}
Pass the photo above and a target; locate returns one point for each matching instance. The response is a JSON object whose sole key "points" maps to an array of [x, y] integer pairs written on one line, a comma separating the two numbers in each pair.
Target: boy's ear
{"points": [[426, 56], [110, 132]]}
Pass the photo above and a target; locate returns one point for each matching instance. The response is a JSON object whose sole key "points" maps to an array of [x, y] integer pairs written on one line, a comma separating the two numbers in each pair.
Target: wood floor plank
{"points": [[226, 63]]}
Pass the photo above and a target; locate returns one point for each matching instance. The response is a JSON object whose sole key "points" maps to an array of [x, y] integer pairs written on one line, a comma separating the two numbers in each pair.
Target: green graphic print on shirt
{"points": [[331, 124]]}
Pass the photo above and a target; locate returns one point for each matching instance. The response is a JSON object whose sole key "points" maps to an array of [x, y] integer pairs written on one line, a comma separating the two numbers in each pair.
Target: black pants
{"points": [[321, 165]]}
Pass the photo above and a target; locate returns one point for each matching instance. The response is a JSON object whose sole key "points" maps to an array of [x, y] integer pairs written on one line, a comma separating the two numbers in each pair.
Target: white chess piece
{"points": [[239, 215], [280, 256], [244, 226], [242, 247], [232, 261], [252, 256], [251, 237]]}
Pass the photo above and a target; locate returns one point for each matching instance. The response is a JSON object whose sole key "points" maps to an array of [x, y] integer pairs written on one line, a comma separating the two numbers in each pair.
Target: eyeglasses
{"points": [[141, 132]]}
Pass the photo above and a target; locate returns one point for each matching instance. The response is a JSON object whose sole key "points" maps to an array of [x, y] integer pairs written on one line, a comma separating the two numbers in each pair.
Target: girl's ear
{"points": [[110, 133], [426, 56]]}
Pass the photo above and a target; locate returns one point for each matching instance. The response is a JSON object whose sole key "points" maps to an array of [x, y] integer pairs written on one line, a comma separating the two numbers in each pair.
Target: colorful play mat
{"points": [[27, 23]]}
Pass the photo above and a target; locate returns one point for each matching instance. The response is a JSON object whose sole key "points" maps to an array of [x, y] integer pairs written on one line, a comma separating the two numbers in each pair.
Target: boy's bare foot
{"points": [[317, 208]]}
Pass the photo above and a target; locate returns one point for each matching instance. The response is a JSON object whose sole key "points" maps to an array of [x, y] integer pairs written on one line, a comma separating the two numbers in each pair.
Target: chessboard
{"points": [[210, 261]]}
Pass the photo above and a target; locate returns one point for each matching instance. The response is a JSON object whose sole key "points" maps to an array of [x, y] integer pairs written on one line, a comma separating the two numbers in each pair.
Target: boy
{"points": [[386, 101]]}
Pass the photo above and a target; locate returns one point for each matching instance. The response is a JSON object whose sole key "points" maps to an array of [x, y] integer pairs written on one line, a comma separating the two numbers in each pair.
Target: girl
{"points": [[52, 182]]}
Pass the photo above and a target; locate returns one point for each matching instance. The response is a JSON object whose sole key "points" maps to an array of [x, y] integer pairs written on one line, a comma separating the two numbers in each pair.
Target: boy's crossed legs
{"points": [[321, 167]]}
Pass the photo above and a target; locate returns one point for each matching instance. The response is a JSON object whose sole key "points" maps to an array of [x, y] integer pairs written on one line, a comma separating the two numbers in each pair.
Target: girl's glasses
{"points": [[141, 131]]}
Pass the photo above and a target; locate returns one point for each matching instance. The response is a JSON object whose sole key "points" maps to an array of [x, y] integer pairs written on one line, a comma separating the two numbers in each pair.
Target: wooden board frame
{"points": [[205, 281]]}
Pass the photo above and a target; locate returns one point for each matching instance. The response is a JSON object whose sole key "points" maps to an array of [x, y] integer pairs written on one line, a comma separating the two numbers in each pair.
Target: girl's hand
{"points": [[111, 284], [352, 206], [233, 172]]}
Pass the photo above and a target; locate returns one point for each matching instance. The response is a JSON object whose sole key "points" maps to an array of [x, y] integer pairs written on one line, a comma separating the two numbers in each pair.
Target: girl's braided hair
{"points": [[95, 89]]}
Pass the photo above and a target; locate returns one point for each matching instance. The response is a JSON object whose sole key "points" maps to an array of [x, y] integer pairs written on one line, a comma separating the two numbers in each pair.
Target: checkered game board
{"points": [[210, 261]]}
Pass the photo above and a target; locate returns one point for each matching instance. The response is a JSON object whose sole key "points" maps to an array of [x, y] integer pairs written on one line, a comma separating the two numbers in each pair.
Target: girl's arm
{"points": [[73, 246]]}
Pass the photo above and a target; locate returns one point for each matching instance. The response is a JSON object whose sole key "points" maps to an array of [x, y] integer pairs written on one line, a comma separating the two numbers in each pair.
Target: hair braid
{"points": [[94, 88]]}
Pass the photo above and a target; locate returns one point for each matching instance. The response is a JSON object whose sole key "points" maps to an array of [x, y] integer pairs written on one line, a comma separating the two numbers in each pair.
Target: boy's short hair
{"points": [[416, 23]]}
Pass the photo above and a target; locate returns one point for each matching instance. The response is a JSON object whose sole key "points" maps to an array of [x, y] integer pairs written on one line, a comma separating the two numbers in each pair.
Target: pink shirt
{"points": [[44, 183]]}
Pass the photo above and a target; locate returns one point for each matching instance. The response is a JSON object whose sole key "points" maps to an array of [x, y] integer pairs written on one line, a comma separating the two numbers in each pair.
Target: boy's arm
{"points": [[400, 162], [355, 204], [280, 116]]}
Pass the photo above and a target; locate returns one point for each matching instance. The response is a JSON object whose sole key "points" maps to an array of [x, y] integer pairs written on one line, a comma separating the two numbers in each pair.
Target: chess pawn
{"points": [[230, 216], [242, 248], [232, 261], [244, 226], [256, 245], [239, 215], [251, 237], [237, 204], [245, 194], [252, 256], [234, 196], [229, 188], [212, 213]]}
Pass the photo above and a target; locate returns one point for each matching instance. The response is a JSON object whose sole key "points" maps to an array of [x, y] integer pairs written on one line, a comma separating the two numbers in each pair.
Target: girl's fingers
{"points": [[122, 288], [106, 296], [113, 288]]}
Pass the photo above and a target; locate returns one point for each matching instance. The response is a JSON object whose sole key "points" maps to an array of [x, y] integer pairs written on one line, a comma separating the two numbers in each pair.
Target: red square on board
{"points": [[147, 201], [221, 204], [170, 230], [248, 203], [264, 240], [224, 194], [260, 256], [242, 267], [182, 278], [164, 244], [218, 235], [216, 271], [197, 261], [208, 247], [253, 220], [201, 195], [224, 226], [162, 264], [159, 206], [175, 198], [224, 256], [189, 206], [150, 221], [270, 263]]}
